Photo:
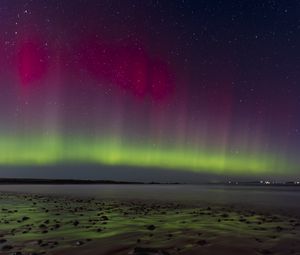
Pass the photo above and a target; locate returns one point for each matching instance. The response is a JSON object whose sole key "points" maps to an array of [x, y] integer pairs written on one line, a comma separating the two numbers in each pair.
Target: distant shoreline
{"points": [[69, 181], [32, 181]]}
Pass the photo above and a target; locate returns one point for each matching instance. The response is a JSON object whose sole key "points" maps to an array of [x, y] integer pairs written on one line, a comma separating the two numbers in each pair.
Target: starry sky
{"points": [[125, 88]]}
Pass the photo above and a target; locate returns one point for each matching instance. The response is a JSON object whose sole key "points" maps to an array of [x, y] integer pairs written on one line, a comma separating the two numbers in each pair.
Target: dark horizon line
{"points": [[71, 181], [90, 181]]}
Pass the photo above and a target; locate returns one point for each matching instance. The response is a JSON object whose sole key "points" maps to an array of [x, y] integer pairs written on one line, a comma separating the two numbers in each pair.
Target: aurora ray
{"points": [[162, 91]]}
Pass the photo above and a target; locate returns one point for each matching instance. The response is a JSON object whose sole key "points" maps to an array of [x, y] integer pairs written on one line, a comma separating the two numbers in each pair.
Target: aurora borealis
{"points": [[201, 86]]}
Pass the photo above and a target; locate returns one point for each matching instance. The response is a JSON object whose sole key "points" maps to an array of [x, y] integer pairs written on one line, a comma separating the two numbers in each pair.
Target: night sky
{"points": [[180, 87]]}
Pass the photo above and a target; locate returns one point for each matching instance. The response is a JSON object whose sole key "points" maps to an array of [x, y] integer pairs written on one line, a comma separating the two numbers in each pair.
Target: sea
{"points": [[281, 199]]}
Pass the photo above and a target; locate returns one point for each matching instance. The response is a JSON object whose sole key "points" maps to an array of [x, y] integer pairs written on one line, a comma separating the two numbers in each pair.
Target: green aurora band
{"points": [[44, 151]]}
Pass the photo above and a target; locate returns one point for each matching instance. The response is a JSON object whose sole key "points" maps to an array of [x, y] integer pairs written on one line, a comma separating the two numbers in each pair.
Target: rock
{"points": [[56, 226], [75, 222], [202, 242], [3, 240], [258, 240], [265, 251], [151, 227], [104, 217], [6, 247], [79, 243], [148, 251]]}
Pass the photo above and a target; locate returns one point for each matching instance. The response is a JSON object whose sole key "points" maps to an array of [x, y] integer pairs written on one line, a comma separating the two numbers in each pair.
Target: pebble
{"points": [[79, 243], [151, 227]]}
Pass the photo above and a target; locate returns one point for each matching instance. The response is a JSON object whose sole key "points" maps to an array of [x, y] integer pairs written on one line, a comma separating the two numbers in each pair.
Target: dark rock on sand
{"points": [[104, 217], [79, 243], [265, 252], [202, 242], [148, 251], [258, 240], [151, 227], [25, 218], [75, 222], [56, 226], [6, 247], [3, 240]]}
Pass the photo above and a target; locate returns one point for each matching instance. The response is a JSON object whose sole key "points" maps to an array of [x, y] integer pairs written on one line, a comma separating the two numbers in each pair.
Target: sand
{"points": [[38, 224]]}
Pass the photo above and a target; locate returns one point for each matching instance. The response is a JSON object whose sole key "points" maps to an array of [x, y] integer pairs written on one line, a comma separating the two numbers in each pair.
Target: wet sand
{"points": [[40, 224]]}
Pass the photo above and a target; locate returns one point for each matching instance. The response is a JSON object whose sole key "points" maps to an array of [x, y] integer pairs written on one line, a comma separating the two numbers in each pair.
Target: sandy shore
{"points": [[36, 224]]}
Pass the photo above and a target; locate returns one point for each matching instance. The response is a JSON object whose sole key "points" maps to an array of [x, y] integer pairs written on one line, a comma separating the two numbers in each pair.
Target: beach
{"points": [[57, 224]]}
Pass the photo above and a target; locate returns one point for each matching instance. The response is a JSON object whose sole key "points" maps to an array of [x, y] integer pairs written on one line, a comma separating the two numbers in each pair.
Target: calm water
{"points": [[283, 199]]}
